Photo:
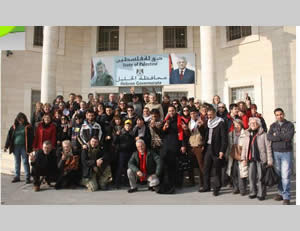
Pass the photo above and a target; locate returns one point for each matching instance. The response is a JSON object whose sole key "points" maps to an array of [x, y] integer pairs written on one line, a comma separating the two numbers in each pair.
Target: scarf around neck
{"points": [[214, 122], [143, 165]]}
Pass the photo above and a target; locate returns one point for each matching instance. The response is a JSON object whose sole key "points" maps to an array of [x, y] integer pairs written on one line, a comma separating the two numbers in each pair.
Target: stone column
{"points": [[208, 67], [48, 80]]}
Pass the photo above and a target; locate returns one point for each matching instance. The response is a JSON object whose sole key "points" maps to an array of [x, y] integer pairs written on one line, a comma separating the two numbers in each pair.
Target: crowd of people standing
{"points": [[122, 143]]}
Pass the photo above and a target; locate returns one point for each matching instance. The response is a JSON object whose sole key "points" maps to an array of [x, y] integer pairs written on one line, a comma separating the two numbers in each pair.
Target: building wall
{"points": [[265, 60]]}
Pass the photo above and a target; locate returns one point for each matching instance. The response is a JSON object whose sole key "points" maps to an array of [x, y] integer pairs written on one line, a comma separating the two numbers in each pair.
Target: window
{"points": [[239, 94], [237, 32], [108, 38], [175, 95], [38, 36], [175, 36]]}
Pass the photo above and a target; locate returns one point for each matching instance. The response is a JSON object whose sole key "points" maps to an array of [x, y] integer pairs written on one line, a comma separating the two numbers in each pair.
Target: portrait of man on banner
{"points": [[182, 74], [101, 76]]}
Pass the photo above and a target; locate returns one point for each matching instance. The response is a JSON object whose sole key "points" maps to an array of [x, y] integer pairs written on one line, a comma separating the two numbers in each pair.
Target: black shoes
{"points": [[286, 202], [261, 198], [243, 193], [132, 190], [252, 196], [216, 193], [28, 181], [278, 198], [236, 192], [16, 179], [203, 190]]}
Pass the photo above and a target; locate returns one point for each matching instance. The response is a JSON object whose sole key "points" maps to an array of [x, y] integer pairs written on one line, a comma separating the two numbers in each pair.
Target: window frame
{"points": [[174, 37], [109, 31]]}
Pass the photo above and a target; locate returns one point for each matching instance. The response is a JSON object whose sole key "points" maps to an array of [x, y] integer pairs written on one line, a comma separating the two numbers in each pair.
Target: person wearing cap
{"points": [[235, 169], [143, 166], [137, 105], [281, 135], [256, 153], [124, 143]]}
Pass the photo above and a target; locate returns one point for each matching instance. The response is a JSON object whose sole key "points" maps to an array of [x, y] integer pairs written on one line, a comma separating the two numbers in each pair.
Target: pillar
{"points": [[208, 67], [48, 79]]}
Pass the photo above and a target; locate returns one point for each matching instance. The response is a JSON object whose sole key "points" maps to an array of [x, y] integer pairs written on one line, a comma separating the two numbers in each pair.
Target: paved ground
{"points": [[22, 194]]}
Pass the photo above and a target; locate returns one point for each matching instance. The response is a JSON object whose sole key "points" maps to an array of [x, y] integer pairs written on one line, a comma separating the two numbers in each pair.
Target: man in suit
{"points": [[182, 74]]}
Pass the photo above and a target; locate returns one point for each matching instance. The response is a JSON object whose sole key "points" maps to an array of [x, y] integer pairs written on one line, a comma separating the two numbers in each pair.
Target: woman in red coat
{"points": [[46, 130]]}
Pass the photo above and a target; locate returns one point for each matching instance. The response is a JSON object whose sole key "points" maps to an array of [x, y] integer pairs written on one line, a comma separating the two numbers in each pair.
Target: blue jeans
{"points": [[283, 167], [19, 150]]}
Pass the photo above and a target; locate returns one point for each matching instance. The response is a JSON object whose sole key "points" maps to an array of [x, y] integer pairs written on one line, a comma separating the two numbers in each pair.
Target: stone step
{"points": [[8, 164]]}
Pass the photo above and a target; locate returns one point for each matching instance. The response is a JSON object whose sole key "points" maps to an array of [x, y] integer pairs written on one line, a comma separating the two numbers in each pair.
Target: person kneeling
{"points": [[43, 163], [96, 172], [144, 165], [68, 167]]}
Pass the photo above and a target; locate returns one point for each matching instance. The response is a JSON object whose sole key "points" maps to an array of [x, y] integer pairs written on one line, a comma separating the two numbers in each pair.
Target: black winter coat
{"points": [[124, 142], [219, 140]]}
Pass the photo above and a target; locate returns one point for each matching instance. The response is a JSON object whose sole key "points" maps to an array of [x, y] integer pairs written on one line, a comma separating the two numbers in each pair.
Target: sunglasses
{"points": [[185, 110], [129, 110], [221, 107]]}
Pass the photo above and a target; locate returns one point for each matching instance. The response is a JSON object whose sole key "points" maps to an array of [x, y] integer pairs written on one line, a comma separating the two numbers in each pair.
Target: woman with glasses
{"points": [[185, 117]]}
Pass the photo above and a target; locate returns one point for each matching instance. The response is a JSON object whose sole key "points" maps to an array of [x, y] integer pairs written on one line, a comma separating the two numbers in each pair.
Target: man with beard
{"points": [[102, 78]]}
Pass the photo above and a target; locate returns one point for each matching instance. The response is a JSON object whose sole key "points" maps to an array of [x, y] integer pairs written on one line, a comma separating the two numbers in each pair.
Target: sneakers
{"points": [[36, 188], [286, 202], [16, 179], [132, 190], [278, 198]]}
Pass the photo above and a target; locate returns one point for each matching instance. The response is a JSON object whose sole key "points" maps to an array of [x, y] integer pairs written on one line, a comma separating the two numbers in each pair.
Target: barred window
{"points": [[176, 95], [38, 36], [175, 36], [237, 32], [108, 38]]}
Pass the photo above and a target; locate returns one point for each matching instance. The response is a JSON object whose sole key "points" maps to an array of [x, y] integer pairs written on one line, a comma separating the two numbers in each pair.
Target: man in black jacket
{"points": [[281, 135], [96, 171], [216, 141], [43, 163]]}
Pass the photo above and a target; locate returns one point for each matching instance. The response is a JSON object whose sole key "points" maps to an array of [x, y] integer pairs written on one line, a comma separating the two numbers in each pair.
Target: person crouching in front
{"points": [[143, 166], [68, 166], [96, 172], [43, 164]]}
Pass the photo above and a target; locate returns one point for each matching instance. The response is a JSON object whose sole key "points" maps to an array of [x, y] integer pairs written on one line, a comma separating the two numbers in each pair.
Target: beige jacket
{"points": [[264, 146], [195, 139]]}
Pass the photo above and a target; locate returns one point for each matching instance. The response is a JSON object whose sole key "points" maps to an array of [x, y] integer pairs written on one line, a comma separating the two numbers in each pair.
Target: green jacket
{"points": [[152, 163]]}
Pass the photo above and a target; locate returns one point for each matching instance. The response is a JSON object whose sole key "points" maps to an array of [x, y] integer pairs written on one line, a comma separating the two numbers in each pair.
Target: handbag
{"points": [[270, 177], [184, 162], [235, 152]]}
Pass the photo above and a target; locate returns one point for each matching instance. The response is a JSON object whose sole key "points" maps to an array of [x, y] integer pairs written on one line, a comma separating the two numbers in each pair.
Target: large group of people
{"points": [[125, 143]]}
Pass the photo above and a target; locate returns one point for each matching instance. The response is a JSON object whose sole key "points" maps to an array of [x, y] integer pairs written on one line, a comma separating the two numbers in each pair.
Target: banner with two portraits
{"points": [[143, 70]]}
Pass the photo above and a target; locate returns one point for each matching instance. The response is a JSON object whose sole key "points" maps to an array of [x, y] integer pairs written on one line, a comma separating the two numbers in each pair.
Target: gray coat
{"points": [[264, 146]]}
